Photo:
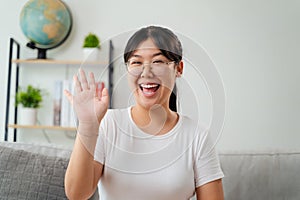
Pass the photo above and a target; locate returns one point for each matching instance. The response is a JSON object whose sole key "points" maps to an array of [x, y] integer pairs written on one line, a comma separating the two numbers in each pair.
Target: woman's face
{"points": [[155, 82]]}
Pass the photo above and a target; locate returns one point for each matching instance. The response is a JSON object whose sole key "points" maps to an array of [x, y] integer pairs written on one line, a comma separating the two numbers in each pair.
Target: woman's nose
{"points": [[146, 73]]}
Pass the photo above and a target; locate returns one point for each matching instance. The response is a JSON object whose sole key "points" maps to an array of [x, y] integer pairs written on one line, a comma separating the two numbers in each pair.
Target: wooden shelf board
{"points": [[64, 62], [42, 127]]}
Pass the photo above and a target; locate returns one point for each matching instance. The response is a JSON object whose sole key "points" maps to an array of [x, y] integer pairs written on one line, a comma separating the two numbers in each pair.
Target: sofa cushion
{"points": [[27, 175]]}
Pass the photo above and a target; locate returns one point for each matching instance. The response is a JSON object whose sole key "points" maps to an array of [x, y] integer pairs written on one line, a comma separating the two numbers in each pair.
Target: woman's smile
{"points": [[149, 89]]}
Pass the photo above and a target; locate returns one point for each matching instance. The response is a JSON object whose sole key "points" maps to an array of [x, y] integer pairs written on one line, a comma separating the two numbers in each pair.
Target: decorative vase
{"points": [[28, 116], [90, 54]]}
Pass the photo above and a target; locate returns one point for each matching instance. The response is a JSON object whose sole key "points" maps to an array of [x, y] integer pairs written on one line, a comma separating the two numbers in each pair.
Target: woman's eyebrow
{"points": [[154, 55], [136, 55], [157, 54]]}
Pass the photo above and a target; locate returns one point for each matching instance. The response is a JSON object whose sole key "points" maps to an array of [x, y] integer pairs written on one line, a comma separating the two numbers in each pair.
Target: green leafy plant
{"points": [[30, 98], [91, 41]]}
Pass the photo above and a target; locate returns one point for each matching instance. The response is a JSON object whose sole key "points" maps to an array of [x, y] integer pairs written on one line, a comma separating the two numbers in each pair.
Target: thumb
{"points": [[105, 96]]}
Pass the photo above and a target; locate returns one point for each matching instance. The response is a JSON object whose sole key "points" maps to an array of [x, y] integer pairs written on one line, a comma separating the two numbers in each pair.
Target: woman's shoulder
{"points": [[188, 122], [115, 118], [117, 112]]}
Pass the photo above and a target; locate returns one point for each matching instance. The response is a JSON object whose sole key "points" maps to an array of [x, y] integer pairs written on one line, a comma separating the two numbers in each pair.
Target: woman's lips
{"points": [[149, 89]]}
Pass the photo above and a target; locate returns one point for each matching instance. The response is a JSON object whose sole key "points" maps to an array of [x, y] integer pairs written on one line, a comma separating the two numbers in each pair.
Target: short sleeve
{"points": [[206, 164], [99, 154]]}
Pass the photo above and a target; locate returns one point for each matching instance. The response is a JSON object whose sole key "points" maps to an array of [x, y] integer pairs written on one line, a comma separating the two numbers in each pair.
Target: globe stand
{"points": [[42, 54]]}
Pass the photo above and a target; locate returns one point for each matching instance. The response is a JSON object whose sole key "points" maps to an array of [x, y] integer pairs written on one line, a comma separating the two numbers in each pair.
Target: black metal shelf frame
{"points": [[12, 42]]}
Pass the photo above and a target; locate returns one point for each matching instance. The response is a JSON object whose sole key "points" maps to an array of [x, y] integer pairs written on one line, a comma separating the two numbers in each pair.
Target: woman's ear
{"points": [[179, 69]]}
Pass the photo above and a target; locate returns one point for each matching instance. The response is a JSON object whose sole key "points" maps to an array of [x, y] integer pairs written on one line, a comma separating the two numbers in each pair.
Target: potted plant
{"points": [[91, 47], [31, 100]]}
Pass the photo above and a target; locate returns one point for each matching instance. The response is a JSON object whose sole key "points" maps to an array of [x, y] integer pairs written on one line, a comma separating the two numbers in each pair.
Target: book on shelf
{"points": [[57, 95], [62, 107]]}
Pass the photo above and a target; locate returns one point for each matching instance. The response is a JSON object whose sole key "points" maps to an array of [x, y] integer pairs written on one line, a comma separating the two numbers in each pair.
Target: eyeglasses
{"points": [[158, 67]]}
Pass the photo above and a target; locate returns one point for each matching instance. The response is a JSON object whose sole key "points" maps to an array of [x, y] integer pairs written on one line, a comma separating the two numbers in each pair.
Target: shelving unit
{"points": [[57, 62], [17, 61], [16, 126]]}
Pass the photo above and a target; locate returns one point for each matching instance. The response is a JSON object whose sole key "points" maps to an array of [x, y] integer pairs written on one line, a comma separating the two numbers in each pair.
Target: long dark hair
{"points": [[165, 40]]}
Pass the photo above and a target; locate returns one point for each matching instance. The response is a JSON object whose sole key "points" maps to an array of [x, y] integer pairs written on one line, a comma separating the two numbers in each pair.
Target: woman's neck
{"points": [[157, 120]]}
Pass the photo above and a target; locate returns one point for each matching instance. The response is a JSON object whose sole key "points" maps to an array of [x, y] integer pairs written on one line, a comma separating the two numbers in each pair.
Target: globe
{"points": [[46, 23]]}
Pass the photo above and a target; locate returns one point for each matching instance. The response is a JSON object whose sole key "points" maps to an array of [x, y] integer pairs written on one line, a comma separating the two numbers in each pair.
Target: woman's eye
{"points": [[158, 62], [135, 63]]}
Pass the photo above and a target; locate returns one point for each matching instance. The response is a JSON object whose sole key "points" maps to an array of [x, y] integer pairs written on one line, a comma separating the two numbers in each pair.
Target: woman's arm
{"points": [[83, 173], [90, 104], [210, 191]]}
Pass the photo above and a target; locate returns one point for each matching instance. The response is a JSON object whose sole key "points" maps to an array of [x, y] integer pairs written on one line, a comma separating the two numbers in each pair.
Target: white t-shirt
{"points": [[140, 166]]}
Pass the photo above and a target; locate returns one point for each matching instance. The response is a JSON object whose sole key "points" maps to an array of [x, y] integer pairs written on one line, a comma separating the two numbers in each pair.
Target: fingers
{"points": [[92, 82], [69, 96], [77, 84], [84, 82]]}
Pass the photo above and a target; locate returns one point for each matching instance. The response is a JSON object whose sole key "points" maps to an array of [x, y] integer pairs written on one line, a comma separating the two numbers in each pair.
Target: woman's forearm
{"points": [[82, 173]]}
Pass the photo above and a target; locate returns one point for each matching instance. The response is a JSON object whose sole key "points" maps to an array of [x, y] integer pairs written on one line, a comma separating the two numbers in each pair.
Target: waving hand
{"points": [[90, 100]]}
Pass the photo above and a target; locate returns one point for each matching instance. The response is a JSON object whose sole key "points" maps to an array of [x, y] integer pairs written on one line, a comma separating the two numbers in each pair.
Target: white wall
{"points": [[254, 44]]}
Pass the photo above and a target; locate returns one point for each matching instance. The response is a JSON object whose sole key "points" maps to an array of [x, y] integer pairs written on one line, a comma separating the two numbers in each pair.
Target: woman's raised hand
{"points": [[90, 100]]}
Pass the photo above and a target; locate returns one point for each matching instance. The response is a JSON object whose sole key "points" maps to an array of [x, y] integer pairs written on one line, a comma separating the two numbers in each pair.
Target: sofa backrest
{"points": [[273, 175]]}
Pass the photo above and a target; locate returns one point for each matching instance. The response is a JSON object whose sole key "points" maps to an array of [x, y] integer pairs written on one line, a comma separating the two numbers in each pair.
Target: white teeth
{"points": [[149, 85]]}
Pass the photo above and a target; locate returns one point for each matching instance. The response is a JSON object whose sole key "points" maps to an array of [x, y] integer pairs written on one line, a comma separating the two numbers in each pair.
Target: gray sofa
{"points": [[33, 172], [37, 172]]}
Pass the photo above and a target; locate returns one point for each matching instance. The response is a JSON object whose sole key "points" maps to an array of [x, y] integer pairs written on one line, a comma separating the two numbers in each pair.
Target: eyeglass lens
{"points": [[157, 69]]}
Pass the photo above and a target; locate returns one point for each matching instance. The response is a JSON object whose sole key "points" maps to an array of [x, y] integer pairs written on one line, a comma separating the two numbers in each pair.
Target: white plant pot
{"points": [[91, 54], [28, 116]]}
